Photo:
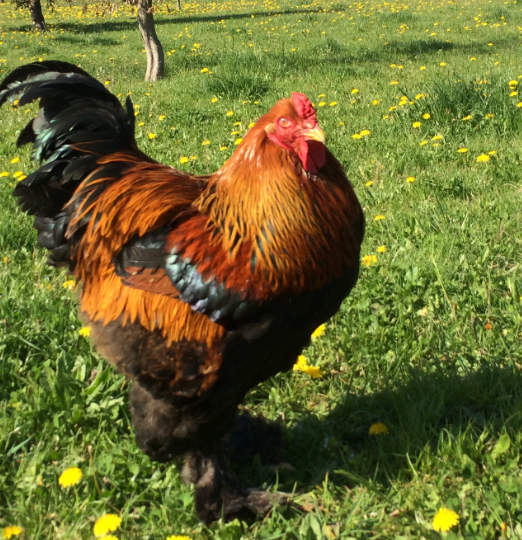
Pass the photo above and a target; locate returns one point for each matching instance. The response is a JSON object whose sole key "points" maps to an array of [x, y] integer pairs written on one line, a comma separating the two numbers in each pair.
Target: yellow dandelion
{"points": [[17, 174], [426, 116], [223, 148], [69, 284], [368, 260], [394, 83], [513, 82], [205, 142], [462, 150], [214, 99], [379, 217], [70, 477], [492, 152], [379, 429], [162, 117], [519, 104], [437, 138], [21, 177], [239, 140], [6, 260], [106, 523], [107, 83], [184, 159], [365, 132], [356, 136], [319, 331], [152, 135], [445, 519], [321, 104], [423, 143], [341, 123], [442, 64], [300, 363], [12, 530], [204, 70], [178, 537], [314, 372], [321, 95], [15, 160], [4, 174], [417, 125], [230, 113], [410, 179], [466, 118], [422, 68], [193, 158], [513, 94], [381, 249], [369, 183], [251, 125], [85, 331], [419, 96], [375, 102], [333, 103], [355, 91], [483, 158]]}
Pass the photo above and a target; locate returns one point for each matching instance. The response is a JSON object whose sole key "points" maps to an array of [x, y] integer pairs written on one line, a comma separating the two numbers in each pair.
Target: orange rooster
{"points": [[196, 287]]}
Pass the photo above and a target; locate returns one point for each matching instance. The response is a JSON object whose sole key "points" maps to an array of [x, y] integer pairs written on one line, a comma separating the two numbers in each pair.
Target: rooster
{"points": [[195, 287]]}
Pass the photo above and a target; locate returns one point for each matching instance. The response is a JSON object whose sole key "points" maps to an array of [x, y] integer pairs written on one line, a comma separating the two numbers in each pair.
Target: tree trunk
{"points": [[179, 4], [35, 7], [153, 48]]}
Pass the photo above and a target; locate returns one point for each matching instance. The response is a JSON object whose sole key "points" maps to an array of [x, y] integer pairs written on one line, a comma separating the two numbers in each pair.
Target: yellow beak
{"points": [[315, 134]]}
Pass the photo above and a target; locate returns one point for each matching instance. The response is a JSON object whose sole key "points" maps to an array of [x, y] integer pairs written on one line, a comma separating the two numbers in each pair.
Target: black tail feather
{"points": [[78, 123]]}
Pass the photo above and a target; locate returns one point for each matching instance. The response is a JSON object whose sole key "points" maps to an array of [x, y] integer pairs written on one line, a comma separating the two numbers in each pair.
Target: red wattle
{"points": [[312, 155]]}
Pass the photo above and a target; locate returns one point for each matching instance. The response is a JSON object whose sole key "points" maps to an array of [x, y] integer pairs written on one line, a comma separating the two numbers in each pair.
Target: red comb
{"points": [[304, 107]]}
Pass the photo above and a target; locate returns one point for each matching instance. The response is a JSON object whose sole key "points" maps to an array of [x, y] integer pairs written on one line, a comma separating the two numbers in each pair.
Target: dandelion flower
{"points": [[381, 249], [178, 537], [492, 152], [85, 331], [483, 158], [513, 94], [162, 117], [417, 125], [106, 523], [445, 519], [423, 143], [223, 148], [152, 135], [319, 331], [369, 183], [238, 140], [422, 68], [513, 82], [183, 159], [69, 284], [204, 70], [419, 96], [15, 160], [394, 83], [302, 365], [466, 118], [355, 91], [365, 133], [230, 113], [333, 103], [251, 125], [442, 64], [375, 102], [321, 104], [205, 142], [12, 530], [437, 138], [410, 179], [356, 136], [462, 150], [70, 477], [4, 174], [379, 217], [379, 429], [368, 260], [214, 99], [519, 104], [426, 116]]}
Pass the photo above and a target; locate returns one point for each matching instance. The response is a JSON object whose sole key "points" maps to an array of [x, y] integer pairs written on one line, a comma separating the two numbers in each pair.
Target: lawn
{"points": [[419, 102]]}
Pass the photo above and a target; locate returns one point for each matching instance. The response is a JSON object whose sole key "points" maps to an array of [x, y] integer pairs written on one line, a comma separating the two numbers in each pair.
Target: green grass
{"points": [[429, 342]]}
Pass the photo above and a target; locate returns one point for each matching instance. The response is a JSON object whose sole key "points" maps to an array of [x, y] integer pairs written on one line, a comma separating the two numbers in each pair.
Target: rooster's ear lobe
{"points": [[270, 129]]}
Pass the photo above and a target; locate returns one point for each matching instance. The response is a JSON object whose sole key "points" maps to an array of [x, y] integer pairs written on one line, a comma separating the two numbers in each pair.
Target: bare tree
{"points": [[151, 42], [35, 8]]}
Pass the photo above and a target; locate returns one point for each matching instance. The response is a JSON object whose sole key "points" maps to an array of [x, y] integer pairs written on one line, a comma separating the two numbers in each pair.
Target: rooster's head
{"points": [[293, 125]]}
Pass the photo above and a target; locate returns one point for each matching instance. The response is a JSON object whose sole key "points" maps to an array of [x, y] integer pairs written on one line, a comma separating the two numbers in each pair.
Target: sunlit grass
{"points": [[419, 404]]}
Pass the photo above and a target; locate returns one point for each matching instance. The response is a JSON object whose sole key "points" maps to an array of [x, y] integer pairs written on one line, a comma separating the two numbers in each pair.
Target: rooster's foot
{"points": [[218, 493]]}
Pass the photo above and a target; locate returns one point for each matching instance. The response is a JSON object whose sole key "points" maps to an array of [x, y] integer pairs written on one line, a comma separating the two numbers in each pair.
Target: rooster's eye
{"points": [[283, 122]]}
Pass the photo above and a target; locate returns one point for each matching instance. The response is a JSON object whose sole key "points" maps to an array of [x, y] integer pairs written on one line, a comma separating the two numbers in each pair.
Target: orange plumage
{"points": [[198, 288]]}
